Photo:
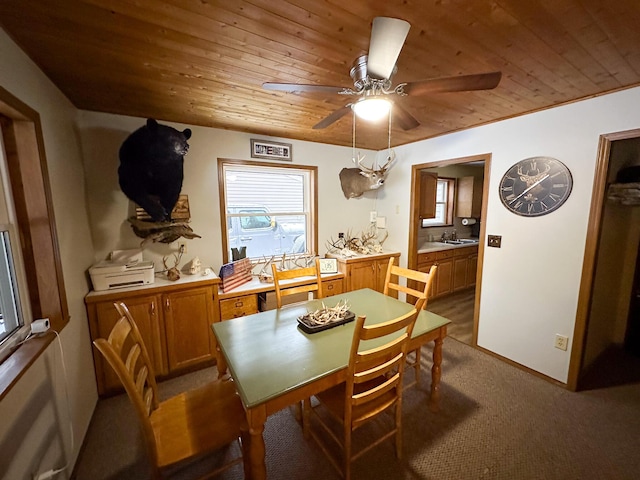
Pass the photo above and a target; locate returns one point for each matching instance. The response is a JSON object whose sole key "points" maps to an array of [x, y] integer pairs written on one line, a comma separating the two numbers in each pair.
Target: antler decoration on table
{"points": [[327, 315]]}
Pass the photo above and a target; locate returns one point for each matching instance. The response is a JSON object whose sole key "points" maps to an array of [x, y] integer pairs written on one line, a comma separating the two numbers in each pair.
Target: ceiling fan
{"points": [[372, 74]]}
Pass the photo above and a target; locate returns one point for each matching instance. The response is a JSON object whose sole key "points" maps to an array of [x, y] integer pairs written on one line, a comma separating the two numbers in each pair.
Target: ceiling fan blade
{"points": [[404, 118], [387, 38], [333, 117], [296, 88], [462, 83]]}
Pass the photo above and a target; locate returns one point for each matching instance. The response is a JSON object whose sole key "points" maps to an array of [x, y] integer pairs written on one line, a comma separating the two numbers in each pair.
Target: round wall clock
{"points": [[535, 186]]}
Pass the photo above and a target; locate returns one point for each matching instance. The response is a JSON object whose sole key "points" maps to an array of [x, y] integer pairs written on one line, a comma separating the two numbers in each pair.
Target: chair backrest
{"points": [[374, 379], [426, 279], [126, 353], [283, 290]]}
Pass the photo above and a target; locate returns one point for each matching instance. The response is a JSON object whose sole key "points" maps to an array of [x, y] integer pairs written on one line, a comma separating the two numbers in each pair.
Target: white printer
{"points": [[125, 268]]}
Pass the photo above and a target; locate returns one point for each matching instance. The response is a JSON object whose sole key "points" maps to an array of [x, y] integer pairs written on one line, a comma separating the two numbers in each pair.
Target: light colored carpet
{"points": [[497, 422]]}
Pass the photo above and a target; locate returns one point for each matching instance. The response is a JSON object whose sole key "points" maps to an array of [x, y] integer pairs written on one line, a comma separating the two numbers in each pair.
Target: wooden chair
{"points": [[283, 290], [373, 386], [411, 290], [184, 427]]}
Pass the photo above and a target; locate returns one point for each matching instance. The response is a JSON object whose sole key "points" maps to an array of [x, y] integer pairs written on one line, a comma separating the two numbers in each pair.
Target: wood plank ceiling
{"points": [[202, 62]]}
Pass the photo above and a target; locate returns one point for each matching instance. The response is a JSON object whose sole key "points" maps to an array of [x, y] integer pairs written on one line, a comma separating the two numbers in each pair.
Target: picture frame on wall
{"points": [[271, 150], [328, 265]]}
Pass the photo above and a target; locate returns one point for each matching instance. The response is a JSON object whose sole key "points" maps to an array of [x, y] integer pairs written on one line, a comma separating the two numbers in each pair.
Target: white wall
{"points": [[530, 285], [36, 408], [101, 136]]}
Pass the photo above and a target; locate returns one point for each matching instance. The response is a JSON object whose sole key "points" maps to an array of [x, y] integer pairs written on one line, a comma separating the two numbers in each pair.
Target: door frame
{"points": [[414, 220], [592, 244]]}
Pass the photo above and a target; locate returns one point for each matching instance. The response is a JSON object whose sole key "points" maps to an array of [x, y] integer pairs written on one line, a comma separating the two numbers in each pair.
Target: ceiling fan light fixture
{"points": [[372, 109]]}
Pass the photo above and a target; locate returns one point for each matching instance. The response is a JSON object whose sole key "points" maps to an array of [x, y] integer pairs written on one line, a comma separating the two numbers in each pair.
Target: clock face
{"points": [[535, 186]]}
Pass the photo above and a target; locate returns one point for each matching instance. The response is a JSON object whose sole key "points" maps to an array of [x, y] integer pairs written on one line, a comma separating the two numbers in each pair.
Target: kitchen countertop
{"points": [[427, 247]]}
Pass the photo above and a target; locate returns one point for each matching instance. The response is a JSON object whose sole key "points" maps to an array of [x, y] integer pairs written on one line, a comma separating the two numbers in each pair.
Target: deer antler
{"points": [[390, 159], [358, 163]]}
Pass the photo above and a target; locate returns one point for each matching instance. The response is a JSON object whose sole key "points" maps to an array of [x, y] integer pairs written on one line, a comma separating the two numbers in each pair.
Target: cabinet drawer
{"points": [[441, 255], [426, 257], [332, 287], [463, 252], [238, 306]]}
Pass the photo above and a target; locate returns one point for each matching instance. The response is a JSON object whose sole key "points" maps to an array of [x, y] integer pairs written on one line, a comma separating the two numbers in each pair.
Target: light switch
{"points": [[494, 241]]}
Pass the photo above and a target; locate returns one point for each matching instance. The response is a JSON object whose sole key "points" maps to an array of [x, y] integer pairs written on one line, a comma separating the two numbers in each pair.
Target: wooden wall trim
{"points": [[591, 253], [29, 178]]}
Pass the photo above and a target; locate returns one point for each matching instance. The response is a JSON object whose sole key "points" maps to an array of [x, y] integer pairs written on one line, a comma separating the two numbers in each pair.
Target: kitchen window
{"points": [[267, 209], [445, 191]]}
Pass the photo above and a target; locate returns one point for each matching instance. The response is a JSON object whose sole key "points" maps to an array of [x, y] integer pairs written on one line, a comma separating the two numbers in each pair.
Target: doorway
{"points": [[605, 323], [463, 305]]}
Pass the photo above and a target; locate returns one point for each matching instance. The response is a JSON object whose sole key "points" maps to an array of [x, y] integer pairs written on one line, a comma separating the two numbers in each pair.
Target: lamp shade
{"points": [[372, 109]]}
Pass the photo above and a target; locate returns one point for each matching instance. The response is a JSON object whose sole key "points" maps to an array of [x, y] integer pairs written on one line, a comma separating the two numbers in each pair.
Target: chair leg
{"points": [[347, 452], [398, 420], [306, 418], [297, 412], [417, 352], [245, 441]]}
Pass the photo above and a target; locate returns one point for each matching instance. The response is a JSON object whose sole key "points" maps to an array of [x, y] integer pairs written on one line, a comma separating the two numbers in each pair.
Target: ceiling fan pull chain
{"points": [[353, 148]]}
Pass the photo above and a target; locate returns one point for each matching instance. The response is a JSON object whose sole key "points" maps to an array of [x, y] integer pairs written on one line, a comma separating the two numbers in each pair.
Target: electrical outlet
{"points": [[373, 215], [340, 235], [562, 342], [182, 247]]}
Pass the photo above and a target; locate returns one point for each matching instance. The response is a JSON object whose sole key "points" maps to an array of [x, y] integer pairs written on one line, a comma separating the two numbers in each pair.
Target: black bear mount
{"points": [[151, 168]]}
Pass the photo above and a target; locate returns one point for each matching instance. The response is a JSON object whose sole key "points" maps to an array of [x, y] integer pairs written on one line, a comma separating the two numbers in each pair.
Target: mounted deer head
{"points": [[356, 181]]}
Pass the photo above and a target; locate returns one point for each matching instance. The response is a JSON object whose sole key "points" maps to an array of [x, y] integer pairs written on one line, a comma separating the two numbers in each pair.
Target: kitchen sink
{"points": [[461, 241]]}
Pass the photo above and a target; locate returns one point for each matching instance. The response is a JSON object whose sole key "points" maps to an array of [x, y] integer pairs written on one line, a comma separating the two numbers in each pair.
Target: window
{"points": [[445, 189], [32, 232], [267, 209], [14, 309], [11, 318]]}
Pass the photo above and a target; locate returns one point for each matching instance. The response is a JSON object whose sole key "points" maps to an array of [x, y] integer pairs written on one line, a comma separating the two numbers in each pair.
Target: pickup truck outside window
{"points": [[269, 209]]}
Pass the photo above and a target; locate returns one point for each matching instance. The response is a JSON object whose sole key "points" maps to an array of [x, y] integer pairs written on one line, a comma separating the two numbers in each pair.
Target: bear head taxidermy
{"points": [[151, 168]]}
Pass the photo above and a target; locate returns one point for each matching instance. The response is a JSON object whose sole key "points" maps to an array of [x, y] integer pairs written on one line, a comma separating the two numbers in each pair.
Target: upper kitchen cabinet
{"points": [[469, 204], [428, 186]]}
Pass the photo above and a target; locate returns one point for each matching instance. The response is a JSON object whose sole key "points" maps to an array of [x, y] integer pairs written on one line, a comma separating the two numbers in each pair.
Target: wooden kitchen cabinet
{"points": [[444, 275], [469, 197], [332, 287], [472, 268], [188, 315], [365, 271], [174, 320], [144, 310], [428, 187], [456, 271], [239, 306]]}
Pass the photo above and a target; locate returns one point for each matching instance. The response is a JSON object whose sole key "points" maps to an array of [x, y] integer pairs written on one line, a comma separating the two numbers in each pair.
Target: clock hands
{"points": [[529, 188]]}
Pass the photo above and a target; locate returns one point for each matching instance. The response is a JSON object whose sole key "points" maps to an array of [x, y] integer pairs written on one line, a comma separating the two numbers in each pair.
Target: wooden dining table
{"points": [[275, 364]]}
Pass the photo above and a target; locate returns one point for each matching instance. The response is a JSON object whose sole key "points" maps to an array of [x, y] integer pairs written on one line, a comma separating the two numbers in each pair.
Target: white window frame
{"points": [[310, 209]]}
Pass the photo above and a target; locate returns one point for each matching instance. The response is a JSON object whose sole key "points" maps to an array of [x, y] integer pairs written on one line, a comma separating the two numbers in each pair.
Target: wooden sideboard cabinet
{"points": [[255, 296], [174, 320], [365, 271]]}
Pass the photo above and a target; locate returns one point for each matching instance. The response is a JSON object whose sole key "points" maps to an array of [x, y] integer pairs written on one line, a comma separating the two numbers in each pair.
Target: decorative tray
{"points": [[306, 323]]}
